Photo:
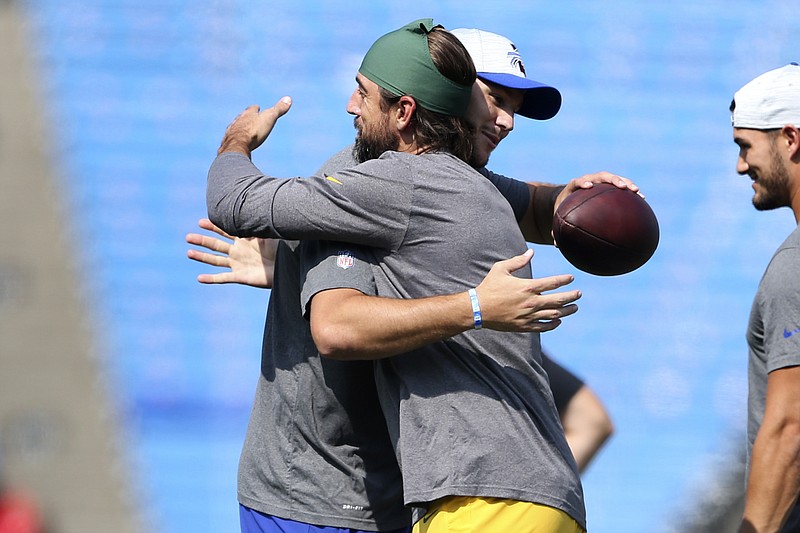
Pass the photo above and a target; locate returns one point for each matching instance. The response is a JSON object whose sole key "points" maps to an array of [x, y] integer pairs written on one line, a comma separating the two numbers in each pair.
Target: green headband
{"points": [[401, 63]]}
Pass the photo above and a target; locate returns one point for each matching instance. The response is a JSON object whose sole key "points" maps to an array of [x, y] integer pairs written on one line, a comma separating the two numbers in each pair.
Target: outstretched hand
{"points": [[251, 128], [251, 260], [509, 303]]}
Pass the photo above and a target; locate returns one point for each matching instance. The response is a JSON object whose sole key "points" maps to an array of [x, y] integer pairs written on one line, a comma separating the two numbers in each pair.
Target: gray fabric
{"points": [[773, 336], [515, 191], [316, 449], [339, 161], [245, 203], [241, 200], [472, 415]]}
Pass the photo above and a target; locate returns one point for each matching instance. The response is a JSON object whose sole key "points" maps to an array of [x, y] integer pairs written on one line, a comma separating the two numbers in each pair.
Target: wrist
{"points": [[477, 317], [232, 143], [556, 195]]}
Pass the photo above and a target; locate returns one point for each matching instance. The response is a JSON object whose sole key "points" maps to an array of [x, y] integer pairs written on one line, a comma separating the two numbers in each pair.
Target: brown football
{"points": [[605, 230]]}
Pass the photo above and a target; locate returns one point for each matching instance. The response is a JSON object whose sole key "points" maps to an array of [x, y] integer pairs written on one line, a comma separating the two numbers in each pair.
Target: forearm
{"points": [[537, 223], [347, 324], [774, 481], [235, 143], [587, 426], [244, 202]]}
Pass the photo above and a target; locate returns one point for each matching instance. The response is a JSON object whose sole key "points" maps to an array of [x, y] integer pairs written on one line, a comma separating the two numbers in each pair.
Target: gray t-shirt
{"points": [[471, 415], [317, 449], [353, 205], [773, 336]]}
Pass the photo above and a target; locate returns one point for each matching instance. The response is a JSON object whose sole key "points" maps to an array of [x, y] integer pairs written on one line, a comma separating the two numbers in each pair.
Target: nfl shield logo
{"points": [[345, 260]]}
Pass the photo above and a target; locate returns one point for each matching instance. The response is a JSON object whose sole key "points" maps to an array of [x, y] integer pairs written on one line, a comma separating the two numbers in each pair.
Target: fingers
{"points": [[541, 327], [551, 283], [252, 127], [208, 259], [206, 224], [270, 116], [210, 243], [282, 107], [216, 279], [587, 181], [266, 120], [549, 307], [515, 263], [546, 319]]}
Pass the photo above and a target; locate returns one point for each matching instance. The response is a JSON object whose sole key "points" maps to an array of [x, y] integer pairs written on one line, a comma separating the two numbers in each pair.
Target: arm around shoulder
{"points": [[347, 324]]}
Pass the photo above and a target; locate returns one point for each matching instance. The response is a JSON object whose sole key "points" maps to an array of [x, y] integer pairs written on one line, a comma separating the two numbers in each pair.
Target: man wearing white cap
{"points": [[766, 127], [504, 85]]}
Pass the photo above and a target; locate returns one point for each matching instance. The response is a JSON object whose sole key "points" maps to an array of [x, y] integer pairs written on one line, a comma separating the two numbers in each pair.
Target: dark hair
{"points": [[437, 131]]}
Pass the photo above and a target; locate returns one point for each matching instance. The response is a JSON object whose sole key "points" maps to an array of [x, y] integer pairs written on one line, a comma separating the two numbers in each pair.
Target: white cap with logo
{"points": [[498, 61]]}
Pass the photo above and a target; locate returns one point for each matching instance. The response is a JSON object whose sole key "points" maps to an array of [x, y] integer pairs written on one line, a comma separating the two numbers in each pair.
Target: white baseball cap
{"points": [[497, 60], [772, 100]]}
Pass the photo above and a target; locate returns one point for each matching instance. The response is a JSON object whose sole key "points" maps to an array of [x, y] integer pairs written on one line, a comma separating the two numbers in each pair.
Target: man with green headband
{"points": [[306, 224]]}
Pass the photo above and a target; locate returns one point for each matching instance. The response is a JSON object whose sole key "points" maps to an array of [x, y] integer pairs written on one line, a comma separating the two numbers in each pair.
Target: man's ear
{"points": [[406, 107], [792, 138]]}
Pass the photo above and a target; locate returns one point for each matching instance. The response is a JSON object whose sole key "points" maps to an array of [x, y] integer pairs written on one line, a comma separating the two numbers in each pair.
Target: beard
{"points": [[772, 185], [373, 141], [478, 159]]}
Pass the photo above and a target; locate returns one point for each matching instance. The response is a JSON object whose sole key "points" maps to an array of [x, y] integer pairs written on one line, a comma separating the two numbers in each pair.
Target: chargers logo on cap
{"points": [[345, 260], [516, 60]]}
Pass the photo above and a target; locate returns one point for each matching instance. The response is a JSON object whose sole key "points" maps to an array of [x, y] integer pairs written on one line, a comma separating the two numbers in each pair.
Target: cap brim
{"points": [[541, 102]]}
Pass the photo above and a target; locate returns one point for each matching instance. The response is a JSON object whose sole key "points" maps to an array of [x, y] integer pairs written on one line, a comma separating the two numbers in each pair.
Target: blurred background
{"points": [[125, 385]]}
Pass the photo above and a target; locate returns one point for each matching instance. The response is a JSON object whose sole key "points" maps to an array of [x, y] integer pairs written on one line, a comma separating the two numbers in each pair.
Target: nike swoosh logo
{"points": [[787, 333], [331, 178]]}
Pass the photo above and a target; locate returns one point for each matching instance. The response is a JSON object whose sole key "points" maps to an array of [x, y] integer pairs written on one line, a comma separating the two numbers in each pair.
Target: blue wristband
{"points": [[476, 309]]}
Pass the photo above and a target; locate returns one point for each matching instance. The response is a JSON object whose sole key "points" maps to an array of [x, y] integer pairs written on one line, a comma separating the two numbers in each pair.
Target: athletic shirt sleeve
{"points": [[335, 265], [368, 204], [515, 191], [780, 308], [340, 161]]}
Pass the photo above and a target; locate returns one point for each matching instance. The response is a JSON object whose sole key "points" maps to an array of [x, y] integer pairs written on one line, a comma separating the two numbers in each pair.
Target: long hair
{"points": [[437, 132]]}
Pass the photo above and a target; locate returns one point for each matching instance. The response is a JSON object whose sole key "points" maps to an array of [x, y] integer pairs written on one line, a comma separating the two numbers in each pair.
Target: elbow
{"points": [[606, 429], [215, 212], [222, 214], [334, 341], [599, 429], [791, 437]]}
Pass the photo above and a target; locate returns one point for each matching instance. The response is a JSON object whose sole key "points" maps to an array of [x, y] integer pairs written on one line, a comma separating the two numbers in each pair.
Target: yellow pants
{"points": [[466, 514]]}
